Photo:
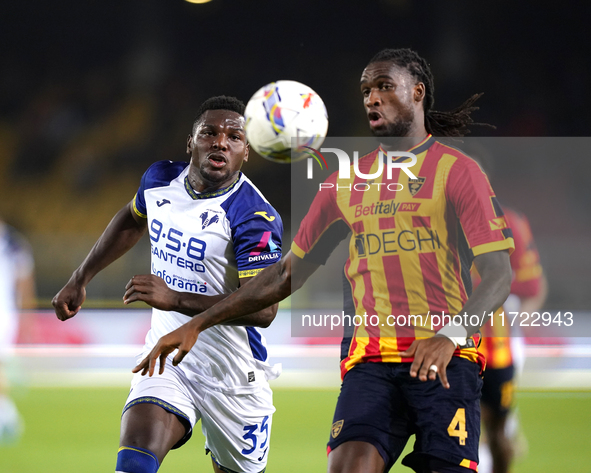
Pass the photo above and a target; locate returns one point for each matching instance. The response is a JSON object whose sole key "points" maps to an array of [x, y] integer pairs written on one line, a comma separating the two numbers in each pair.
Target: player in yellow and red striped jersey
{"points": [[445, 219], [499, 347], [410, 251]]}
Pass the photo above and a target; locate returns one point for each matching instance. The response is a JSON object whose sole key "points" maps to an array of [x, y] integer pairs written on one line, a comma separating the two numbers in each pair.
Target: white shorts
{"points": [[237, 427]]}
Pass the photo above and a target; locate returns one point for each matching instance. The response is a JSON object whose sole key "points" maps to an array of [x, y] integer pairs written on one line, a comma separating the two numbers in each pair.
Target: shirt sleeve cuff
{"points": [[506, 244]]}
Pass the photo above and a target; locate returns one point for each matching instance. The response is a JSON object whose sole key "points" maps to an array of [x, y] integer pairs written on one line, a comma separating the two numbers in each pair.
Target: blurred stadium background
{"points": [[92, 93]]}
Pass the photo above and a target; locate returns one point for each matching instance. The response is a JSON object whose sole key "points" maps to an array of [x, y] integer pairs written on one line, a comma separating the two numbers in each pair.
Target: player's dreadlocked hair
{"points": [[221, 102], [452, 123]]}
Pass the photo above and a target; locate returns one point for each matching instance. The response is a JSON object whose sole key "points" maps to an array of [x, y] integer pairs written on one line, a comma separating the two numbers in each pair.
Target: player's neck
{"points": [[405, 143], [202, 185], [413, 137]]}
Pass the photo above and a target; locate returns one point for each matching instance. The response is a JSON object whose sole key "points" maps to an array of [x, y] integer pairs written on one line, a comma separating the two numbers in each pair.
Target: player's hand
{"points": [[68, 301], [152, 290], [182, 338], [428, 352]]}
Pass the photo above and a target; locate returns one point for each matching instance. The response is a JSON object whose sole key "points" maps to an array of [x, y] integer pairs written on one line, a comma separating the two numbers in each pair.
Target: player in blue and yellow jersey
{"points": [[445, 219], [211, 230]]}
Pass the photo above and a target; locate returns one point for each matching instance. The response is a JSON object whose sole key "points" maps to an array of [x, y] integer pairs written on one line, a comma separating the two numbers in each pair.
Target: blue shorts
{"points": [[497, 390], [381, 404]]}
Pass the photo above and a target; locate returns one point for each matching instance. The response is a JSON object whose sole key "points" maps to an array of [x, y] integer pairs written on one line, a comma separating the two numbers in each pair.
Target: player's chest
{"points": [[399, 205], [181, 224]]}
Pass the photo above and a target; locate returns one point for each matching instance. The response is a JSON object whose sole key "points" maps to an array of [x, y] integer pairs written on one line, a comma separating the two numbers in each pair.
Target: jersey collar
{"points": [[418, 148], [423, 145], [208, 195]]}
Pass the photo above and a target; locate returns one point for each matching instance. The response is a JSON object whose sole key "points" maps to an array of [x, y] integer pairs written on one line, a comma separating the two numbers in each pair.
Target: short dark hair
{"points": [[221, 102], [452, 123]]}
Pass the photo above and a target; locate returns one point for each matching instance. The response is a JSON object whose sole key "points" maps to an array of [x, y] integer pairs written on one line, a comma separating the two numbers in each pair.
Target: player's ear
{"points": [[246, 152], [419, 92], [190, 144]]}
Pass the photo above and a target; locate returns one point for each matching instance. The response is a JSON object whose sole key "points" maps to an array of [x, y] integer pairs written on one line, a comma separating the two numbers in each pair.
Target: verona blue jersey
{"points": [[203, 243]]}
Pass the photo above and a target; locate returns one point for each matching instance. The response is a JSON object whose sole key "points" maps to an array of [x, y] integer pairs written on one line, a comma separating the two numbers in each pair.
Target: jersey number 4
{"points": [[457, 426]]}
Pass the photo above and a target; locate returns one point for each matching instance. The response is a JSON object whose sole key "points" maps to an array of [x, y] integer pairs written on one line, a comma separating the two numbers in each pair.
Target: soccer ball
{"points": [[283, 110]]}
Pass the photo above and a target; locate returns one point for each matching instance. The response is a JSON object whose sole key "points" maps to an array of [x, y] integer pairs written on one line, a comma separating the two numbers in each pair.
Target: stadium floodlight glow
{"points": [[198, 1]]}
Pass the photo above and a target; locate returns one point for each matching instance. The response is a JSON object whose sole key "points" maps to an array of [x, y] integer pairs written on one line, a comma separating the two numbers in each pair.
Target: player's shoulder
{"points": [[461, 161], [247, 193], [248, 202], [162, 173], [445, 147]]}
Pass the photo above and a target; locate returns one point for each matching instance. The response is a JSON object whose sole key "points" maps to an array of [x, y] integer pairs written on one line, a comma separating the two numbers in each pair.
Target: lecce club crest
{"points": [[415, 185], [336, 428]]}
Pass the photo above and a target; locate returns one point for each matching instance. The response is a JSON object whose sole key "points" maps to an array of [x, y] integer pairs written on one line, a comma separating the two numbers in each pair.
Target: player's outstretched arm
{"points": [[269, 287], [122, 233], [493, 290], [152, 290]]}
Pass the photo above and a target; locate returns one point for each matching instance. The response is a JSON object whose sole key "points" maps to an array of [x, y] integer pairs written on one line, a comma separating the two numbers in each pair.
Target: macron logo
{"points": [[160, 203]]}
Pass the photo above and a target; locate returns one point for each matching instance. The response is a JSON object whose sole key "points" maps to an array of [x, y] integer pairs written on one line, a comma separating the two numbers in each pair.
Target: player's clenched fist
{"points": [[182, 338], [68, 301]]}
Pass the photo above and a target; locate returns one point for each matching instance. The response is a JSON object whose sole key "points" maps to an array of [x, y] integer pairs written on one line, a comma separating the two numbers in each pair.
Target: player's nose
{"points": [[373, 98], [220, 142]]}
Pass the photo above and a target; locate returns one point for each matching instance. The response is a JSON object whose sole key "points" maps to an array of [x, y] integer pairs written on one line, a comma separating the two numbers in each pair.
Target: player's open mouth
{"points": [[375, 119], [218, 161]]}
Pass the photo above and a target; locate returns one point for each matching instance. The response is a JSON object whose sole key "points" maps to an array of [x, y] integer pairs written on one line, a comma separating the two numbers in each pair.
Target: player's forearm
{"points": [[191, 304], [122, 233], [152, 290], [485, 300], [493, 290], [267, 288], [263, 318]]}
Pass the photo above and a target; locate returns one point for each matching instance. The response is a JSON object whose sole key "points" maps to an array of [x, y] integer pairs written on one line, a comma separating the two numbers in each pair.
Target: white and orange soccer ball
{"points": [[284, 119]]}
